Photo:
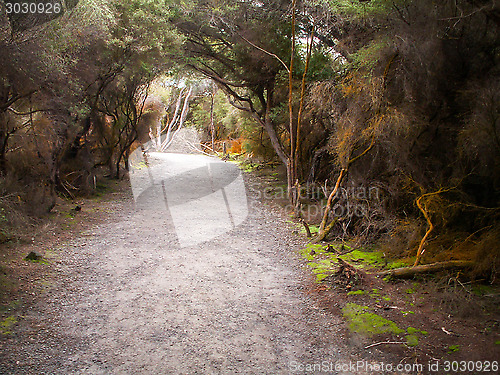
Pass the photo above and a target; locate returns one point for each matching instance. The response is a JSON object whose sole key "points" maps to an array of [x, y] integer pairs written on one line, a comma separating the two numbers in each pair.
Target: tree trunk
{"points": [[315, 163], [424, 210], [212, 127], [76, 145], [291, 164], [126, 159], [301, 106], [55, 166], [182, 118], [275, 142], [324, 229], [168, 136], [289, 179], [117, 167], [4, 139]]}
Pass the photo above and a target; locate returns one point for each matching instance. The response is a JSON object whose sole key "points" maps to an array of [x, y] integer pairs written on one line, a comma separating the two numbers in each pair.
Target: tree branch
{"points": [[26, 113], [266, 52]]}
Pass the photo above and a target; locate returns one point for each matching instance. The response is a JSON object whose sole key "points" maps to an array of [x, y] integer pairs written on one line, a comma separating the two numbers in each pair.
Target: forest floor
{"points": [[430, 319], [115, 292]]}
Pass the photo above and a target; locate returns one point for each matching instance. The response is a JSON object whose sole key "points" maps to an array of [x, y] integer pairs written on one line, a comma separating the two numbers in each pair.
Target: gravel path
{"points": [[130, 298]]}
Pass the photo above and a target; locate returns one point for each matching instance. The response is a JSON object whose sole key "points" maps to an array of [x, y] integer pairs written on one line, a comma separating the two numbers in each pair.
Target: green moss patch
{"points": [[362, 259], [481, 290], [412, 330], [248, 167], [356, 293], [313, 228], [412, 340], [322, 268], [328, 256], [6, 325], [405, 313], [361, 320], [359, 258], [398, 263], [312, 250]]}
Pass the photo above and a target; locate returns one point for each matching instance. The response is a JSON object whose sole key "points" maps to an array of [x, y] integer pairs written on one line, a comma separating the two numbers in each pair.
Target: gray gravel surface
{"points": [[127, 299]]}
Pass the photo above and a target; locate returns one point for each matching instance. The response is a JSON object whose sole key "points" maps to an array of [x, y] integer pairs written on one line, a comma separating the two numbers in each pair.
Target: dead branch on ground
{"points": [[407, 272]]}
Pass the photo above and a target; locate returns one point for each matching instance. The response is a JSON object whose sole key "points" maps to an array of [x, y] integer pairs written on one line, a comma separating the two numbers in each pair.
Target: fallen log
{"points": [[406, 272]]}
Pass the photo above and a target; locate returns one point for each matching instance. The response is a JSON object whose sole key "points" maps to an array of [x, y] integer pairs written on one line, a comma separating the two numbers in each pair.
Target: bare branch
{"points": [[26, 113], [266, 52]]}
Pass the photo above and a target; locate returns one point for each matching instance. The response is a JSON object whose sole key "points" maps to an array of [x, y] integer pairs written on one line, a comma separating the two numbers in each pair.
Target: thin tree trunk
{"points": [[291, 166], [4, 139], [117, 166], [267, 124], [429, 230], [301, 105], [172, 123], [421, 249], [324, 229], [212, 127], [182, 117]]}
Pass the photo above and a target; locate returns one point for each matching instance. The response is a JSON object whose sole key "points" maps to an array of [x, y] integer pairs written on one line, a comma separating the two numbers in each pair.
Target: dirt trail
{"points": [[130, 299]]}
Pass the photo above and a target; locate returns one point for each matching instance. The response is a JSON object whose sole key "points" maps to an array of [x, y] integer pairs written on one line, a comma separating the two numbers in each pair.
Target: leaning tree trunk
{"points": [[429, 230], [4, 139], [324, 229], [422, 207]]}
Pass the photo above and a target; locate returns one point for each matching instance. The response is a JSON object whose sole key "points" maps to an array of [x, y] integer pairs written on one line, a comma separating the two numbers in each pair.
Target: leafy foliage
{"points": [[403, 93]]}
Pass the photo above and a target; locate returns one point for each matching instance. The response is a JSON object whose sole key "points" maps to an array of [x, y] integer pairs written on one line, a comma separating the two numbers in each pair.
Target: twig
{"points": [[463, 16], [382, 343], [463, 286], [195, 148], [387, 307], [449, 333], [63, 184]]}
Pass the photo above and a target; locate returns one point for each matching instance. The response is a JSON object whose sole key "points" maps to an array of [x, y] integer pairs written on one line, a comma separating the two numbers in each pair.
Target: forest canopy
{"points": [[399, 96]]}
